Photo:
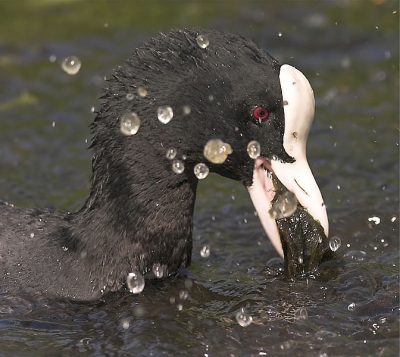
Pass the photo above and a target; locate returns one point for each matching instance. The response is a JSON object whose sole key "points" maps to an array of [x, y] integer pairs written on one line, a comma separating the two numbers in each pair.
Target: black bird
{"points": [[139, 213]]}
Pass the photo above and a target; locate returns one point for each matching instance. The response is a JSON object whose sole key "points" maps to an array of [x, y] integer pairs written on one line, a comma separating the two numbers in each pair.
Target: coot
{"points": [[178, 91]]}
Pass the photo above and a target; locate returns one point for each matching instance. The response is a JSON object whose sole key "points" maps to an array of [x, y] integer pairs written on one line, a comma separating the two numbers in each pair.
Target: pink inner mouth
{"points": [[264, 169]]}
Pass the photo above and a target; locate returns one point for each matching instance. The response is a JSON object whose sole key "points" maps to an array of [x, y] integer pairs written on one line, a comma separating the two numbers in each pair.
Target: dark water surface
{"points": [[349, 50]]}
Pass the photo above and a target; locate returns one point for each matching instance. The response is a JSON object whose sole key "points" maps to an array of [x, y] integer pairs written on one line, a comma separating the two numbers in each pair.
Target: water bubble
{"points": [[351, 306], [375, 219], [335, 243], [243, 318], [53, 58], [164, 114], [135, 282], [71, 65], [284, 206], [171, 153], [216, 151], [300, 259], [125, 324], [188, 283], [130, 123], [210, 97], [158, 270], [130, 96], [358, 255], [201, 171], [142, 92], [138, 311], [382, 320], [205, 251], [186, 109], [178, 166], [183, 295], [64, 248], [179, 307], [254, 149], [172, 299], [202, 41], [301, 314]]}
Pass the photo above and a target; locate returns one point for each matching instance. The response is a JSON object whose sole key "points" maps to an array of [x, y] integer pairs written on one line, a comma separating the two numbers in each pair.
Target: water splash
{"points": [[216, 151]]}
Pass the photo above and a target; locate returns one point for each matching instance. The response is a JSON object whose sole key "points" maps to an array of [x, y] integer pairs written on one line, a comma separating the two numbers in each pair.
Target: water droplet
{"points": [[130, 96], [335, 243], [201, 171], [158, 270], [275, 158], [358, 255], [186, 109], [351, 306], [205, 251], [183, 295], [178, 166], [216, 151], [300, 259], [142, 92], [382, 320], [172, 299], [188, 283], [165, 114], [135, 282], [284, 206], [243, 318], [71, 65], [64, 248], [179, 307], [130, 123], [125, 324], [301, 314], [53, 58], [202, 41], [210, 97], [171, 153], [254, 149], [376, 220]]}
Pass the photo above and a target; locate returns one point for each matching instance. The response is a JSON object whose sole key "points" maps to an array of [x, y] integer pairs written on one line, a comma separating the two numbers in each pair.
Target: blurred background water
{"points": [[348, 49]]}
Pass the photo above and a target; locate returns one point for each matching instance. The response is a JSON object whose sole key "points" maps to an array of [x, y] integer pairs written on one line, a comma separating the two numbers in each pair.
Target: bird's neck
{"points": [[135, 220]]}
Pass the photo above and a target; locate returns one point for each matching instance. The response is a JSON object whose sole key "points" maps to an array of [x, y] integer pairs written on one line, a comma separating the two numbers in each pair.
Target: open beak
{"points": [[298, 101]]}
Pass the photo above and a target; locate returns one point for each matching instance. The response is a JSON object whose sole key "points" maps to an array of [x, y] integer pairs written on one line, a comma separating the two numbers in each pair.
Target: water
{"points": [[135, 282], [171, 153], [130, 123], [165, 114], [178, 166], [216, 151], [201, 171], [202, 41], [353, 68], [284, 206], [71, 65], [335, 243], [254, 149], [142, 92]]}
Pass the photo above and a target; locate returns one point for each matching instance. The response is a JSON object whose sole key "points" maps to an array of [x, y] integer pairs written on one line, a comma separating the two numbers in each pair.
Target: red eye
{"points": [[260, 113]]}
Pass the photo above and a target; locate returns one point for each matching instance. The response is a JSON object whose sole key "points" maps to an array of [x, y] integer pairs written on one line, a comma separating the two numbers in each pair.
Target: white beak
{"points": [[298, 101]]}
